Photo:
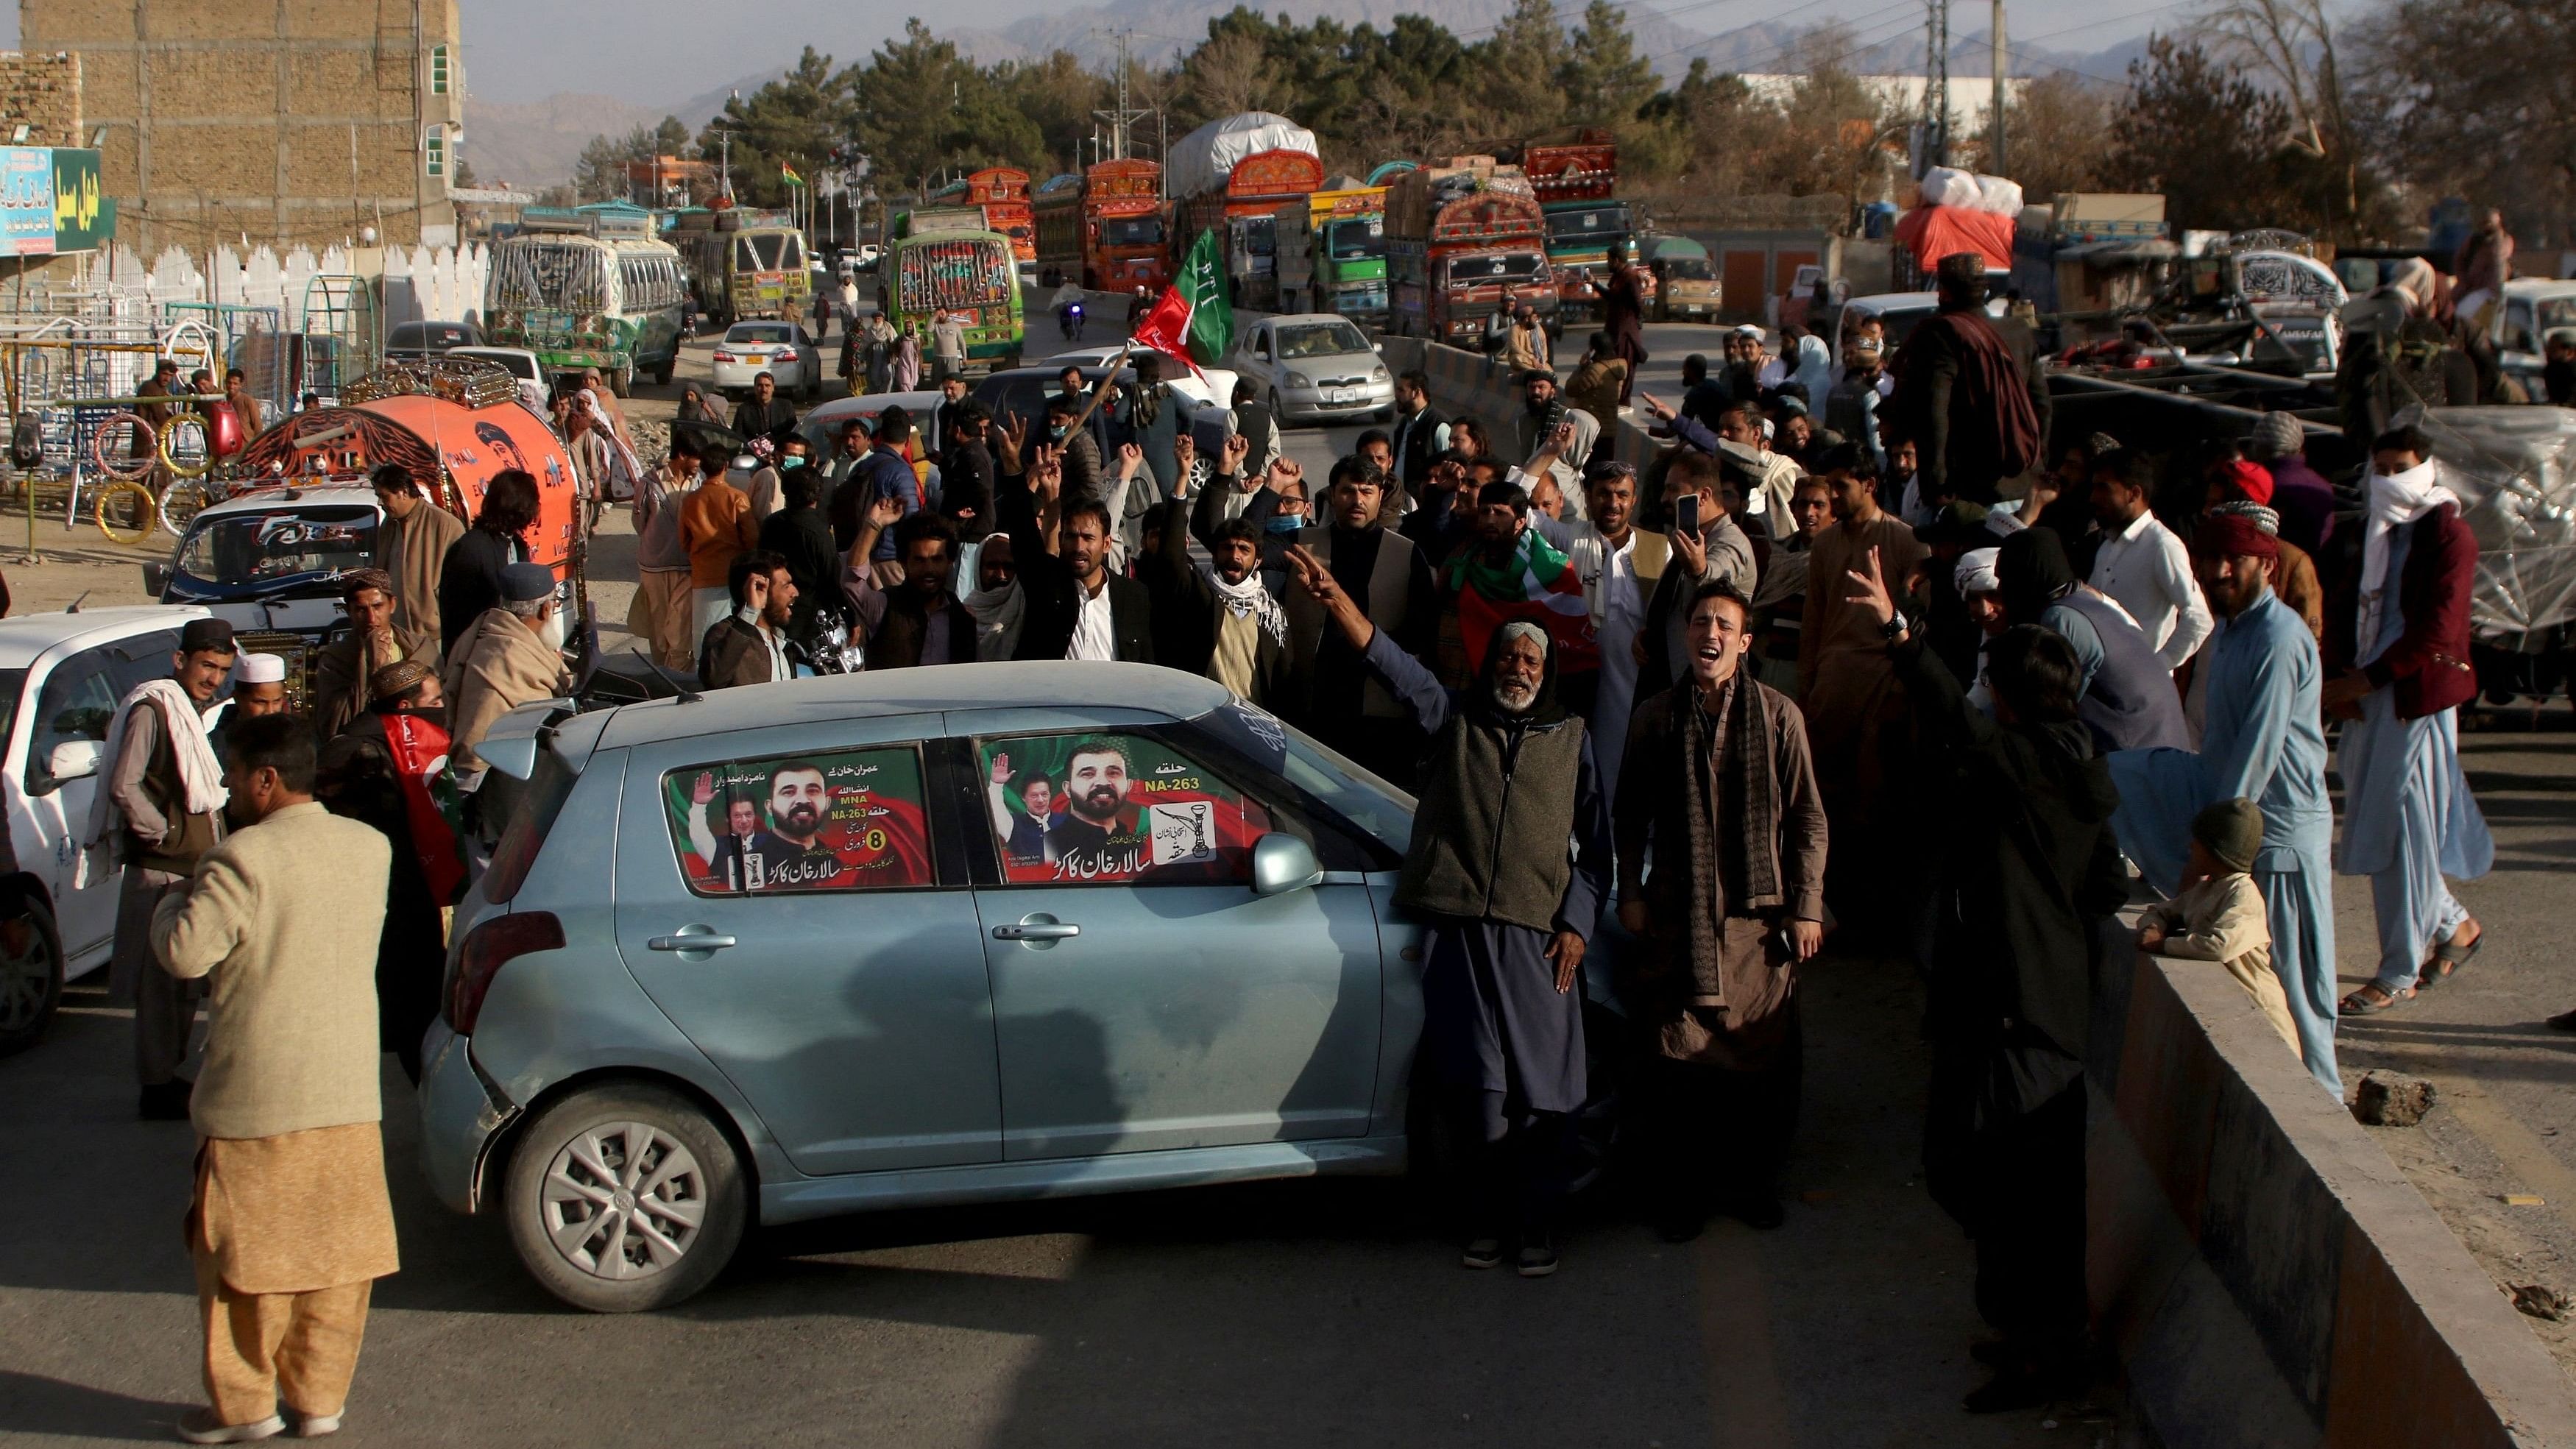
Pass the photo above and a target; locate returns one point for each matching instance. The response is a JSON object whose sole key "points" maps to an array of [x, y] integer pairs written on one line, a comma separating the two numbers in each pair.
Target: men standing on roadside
{"points": [[1718, 785], [290, 1224], [1508, 862], [660, 613], [1968, 392], [245, 407], [716, 527], [163, 796], [948, 345], [342, 669], [2409, 819], [2264, 740], [2141, 565], [389, 770], [411, 548], [503, 660], [2025, 878]]}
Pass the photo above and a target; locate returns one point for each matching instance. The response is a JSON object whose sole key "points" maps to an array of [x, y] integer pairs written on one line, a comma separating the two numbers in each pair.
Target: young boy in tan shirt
{"points": [[2219, 916]]}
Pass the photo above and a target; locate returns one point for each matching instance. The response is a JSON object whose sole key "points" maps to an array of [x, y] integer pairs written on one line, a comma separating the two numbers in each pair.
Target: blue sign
{"points": [[26, 201]]}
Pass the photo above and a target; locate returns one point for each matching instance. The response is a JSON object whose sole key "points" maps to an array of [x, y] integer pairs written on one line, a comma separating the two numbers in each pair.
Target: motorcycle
{"points": [[1069, 316]]}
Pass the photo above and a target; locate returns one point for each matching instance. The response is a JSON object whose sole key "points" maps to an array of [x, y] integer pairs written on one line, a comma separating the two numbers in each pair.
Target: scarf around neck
{"points": [[1249, 597], [1734, 818], [2395, 501]]}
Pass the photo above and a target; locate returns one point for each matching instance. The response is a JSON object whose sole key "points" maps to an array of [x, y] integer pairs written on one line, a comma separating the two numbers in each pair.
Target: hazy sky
{"points": [[662, 52]]}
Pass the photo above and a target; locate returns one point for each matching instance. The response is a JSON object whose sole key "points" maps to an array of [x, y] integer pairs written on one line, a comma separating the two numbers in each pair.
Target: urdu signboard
{"points": [[51, 201]]}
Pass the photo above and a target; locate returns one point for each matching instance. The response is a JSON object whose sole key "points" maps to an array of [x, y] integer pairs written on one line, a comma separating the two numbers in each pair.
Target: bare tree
{"points": [[2290, 45]]}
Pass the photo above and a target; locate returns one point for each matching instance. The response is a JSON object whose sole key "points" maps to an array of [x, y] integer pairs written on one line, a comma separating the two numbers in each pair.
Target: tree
{"points": [[921, 108], [600, 172], [2291, 45], [2464, 99], [2060, 137], [2197, 130], [1607, 81], [793, 121]]}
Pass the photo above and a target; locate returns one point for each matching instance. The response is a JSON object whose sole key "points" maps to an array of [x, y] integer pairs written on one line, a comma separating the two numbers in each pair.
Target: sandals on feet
{"points": [[2360, 1004], [2448, 957]]}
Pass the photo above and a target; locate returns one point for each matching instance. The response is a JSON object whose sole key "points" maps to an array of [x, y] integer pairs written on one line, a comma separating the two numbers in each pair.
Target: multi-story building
{"points": [[296, 122]]}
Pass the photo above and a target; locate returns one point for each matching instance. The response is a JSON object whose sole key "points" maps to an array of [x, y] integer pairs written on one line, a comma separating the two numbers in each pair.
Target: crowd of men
{"points": [[1705, 713]]}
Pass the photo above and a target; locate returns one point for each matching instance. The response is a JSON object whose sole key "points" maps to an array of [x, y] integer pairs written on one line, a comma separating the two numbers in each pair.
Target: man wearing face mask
{"points": [[1279, 507], [1507, 784], [510, 655]]}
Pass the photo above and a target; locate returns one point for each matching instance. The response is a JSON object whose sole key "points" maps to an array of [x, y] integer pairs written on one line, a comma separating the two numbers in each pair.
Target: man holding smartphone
{"points": [[1717, 788]]}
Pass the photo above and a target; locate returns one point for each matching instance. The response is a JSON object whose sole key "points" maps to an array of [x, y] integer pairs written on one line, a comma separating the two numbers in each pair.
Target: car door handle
{"points": [[697, 938], [1037, 931]]}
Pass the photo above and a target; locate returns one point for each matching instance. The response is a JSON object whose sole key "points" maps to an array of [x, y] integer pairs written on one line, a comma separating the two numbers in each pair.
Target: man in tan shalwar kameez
{"points": [[1717, 787], [1856, 712], [502, 661], [411, 546], [291, 1223]]}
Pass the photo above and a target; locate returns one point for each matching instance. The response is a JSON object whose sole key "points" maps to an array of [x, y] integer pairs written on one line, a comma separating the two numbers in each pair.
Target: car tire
{"points": [[31, 986], [1278, 414], [622, 381], [637, 1134], [662, 374]]}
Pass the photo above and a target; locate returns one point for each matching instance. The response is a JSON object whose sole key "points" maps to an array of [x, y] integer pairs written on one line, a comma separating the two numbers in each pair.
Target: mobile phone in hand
{"points": [[1686, 514]]}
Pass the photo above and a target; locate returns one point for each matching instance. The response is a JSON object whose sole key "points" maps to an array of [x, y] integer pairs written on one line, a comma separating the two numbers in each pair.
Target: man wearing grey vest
{"points": [[1509, 861]]}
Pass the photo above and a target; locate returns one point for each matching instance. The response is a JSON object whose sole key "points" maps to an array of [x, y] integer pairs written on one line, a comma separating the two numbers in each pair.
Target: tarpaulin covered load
{"points": [[2514, 469], [1203, 160], [1961, 213]]}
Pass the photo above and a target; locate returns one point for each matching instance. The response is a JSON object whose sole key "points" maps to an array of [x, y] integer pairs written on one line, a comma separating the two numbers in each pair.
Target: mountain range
{"points": [[536, 143]]}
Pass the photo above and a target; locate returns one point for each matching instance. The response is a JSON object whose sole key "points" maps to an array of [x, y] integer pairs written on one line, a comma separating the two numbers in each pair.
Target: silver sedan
{"points": [[1314, 367]]}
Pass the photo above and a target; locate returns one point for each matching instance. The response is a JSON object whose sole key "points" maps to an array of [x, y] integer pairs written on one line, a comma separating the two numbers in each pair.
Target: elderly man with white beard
{"points": [[1509, 859]]}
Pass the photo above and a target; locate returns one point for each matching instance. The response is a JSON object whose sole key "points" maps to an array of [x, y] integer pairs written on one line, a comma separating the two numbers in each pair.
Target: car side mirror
{"points": [[1282, 863], [78, 760], [156, 579]]}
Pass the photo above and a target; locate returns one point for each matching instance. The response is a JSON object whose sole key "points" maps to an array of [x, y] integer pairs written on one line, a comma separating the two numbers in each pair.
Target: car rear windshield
{"points": [[538, 806], [1320, 339], [242, 548], [749, 332]]}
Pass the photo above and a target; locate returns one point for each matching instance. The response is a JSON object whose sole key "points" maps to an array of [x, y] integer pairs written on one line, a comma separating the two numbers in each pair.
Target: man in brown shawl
{"points": [[342, 669], [502, 661], [411, 548], [291, 1223], [1969, 393], [1716, 783]]}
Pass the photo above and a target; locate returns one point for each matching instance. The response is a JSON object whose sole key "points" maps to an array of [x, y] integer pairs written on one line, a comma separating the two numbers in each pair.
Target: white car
{"points": [[781, 349], [1216, 391], [521, 364], [822, 427], [1314, 367], [62, 677]]}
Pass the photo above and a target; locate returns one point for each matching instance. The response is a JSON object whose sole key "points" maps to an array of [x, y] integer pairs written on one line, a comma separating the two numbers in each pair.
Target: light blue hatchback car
{"points": [[894, 939]]}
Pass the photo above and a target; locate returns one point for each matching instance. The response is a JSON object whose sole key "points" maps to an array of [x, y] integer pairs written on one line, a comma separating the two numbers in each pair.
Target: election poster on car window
{"points": [[1114, 807], [851, 820]]}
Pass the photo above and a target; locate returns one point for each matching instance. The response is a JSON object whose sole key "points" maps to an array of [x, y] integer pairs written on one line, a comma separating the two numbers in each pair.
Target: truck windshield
{"points": [[1588, 223], [247, 548], [1689, 269], [767, 248], [1355, 241], [538, 274], [1505, 266], [1132, 231]]}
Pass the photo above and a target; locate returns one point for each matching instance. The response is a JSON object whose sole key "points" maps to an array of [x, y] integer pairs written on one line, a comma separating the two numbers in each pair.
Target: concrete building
{"points": [[296, 122]]}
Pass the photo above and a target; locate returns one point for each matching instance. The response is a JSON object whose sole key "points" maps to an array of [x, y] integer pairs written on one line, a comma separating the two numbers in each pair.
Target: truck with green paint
{"points": [[1331, 254]]}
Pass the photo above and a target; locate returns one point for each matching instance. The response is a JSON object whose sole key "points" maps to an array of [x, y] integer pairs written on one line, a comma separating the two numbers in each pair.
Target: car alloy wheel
{"points": [[31, 982], [625, 1197], [624, 1200]]}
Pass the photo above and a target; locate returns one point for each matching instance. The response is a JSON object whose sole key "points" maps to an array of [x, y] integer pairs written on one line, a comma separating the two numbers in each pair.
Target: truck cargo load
{"points": [[1464, 239]]}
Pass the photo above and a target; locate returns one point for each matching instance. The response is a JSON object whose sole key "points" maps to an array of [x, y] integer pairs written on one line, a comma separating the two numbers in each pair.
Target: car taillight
{"points": [[489, 947], [722, 356]]}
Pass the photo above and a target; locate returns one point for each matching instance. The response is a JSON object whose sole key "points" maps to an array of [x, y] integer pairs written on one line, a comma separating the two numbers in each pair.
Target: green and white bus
{"points": [[588, 288]]}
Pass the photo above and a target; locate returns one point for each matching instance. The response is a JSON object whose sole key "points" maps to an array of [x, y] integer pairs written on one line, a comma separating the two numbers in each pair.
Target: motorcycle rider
{"points": [[1067, 303]]}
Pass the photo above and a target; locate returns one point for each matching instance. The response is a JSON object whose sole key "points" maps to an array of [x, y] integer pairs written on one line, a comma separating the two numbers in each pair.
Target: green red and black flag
{"points": [[1192, 319]]}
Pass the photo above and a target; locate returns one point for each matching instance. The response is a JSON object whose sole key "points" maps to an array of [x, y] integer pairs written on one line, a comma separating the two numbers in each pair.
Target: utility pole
{"points": [[1936, 84], [1125, 116], [1995, 150]]}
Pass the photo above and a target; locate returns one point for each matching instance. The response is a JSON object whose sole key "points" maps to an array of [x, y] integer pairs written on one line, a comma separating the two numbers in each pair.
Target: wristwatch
{"points": [[1895, 627]]}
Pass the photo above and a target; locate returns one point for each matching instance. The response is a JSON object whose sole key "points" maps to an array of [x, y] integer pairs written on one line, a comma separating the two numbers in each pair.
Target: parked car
{"points": [[1314, 367], [822, 427], [2534, 307], [415, 341], [62, 677], [1217, 390], [795, 950], [520, 363], [781, 349]]}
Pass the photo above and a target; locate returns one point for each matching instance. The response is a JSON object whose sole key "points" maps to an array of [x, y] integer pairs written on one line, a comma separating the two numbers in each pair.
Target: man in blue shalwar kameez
{"points": [[2265, 740]]}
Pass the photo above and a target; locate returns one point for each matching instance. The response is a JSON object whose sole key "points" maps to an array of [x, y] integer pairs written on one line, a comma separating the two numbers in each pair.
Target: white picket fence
{"points": [[435, 284]]}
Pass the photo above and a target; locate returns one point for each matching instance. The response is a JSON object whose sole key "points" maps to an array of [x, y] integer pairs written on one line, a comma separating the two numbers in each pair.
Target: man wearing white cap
{"points": [[259, 688]]}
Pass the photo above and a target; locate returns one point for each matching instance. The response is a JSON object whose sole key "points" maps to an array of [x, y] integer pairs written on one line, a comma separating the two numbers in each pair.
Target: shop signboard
{"points": [[84, 217], [26, 201]]}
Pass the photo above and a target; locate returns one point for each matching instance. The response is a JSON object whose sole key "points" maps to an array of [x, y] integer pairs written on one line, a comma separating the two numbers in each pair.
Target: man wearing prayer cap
{"points": [[504, 659], [2262, 738], [341, 670], [162, 807], [409, 685]]}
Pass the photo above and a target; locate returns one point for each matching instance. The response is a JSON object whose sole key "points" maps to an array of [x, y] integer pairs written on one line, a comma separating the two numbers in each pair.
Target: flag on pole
{"points": [[1192, 320], [788, 174], [1536, 583]]}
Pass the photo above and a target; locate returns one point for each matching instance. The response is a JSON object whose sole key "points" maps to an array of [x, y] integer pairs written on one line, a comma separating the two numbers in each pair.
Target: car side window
{"points": [[1085, 807], [850, 820], [78, 702]]}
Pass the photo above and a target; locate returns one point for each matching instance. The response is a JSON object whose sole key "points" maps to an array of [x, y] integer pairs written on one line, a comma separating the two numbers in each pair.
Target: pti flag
{"points": [[1536, 583], [788, 174], [1192, 321]]}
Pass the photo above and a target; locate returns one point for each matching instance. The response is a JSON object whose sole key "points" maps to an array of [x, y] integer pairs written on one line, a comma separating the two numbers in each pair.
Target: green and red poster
{"points": [[1114, 807], [850, 820]]}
